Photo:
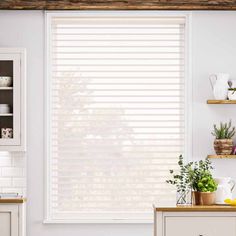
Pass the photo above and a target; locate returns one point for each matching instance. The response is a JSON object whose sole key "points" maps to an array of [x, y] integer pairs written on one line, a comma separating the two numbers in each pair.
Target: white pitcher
{"points": [[224, 189], [219, 83]]}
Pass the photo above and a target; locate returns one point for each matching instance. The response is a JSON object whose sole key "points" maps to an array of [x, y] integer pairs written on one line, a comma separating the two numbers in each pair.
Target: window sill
{"points": [[99, 221]]}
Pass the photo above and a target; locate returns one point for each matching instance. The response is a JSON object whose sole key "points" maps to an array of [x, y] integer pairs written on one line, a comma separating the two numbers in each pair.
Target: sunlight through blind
{"points": [[116, 114]]}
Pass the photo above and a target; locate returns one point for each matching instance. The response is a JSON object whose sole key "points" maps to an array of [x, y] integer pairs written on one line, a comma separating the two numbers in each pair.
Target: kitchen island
{"points": [[195, 220]]}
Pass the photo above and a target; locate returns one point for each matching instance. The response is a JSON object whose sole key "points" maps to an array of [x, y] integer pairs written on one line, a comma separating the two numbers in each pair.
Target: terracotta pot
{"points": [[196, 198], [204, 199], [223, 146]]}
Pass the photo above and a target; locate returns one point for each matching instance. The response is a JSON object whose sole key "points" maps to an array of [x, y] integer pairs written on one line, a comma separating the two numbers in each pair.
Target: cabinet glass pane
{"points": [[6, 99]]}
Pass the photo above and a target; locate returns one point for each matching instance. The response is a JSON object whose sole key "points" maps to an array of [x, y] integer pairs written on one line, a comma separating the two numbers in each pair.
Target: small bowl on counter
{"points": [[5, 81]]}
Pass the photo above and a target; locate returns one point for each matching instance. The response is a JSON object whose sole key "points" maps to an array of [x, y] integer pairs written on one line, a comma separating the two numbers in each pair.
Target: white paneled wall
{"points": [[13, 173]]}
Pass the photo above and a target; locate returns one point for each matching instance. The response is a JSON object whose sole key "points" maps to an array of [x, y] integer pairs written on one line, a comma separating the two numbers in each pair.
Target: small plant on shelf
{"points": [[223, 143]]}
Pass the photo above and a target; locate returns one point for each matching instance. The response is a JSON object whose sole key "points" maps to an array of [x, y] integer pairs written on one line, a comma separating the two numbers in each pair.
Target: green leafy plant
{"points": [[225, 131], [201, 177], [194, 175], [181, 180], [206, 183]]}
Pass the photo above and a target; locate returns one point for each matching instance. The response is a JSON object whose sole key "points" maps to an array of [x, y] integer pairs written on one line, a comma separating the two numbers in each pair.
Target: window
{"points": [[116, 117]]}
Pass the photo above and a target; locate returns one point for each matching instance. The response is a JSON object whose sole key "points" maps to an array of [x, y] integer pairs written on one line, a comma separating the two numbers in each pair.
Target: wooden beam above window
{"points": [[117, 5]]}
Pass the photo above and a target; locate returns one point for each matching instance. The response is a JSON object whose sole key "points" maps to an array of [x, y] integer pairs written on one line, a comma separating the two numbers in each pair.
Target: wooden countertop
{"points": [[213, 208], [12, 200]]}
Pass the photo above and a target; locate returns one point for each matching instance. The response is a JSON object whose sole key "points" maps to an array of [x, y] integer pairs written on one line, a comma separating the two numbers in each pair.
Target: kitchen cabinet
{"points": [[195, 226], [195, 221], [12, 100], [12, 217]]}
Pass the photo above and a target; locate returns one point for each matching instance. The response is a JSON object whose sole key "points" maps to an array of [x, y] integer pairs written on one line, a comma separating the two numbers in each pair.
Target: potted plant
{"points": [[223, 143], [182, 182], [194, 179], [203, 184]]}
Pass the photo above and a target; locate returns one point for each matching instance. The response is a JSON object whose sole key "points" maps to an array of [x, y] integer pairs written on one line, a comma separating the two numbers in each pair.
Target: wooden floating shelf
{"points": [[222, 156], [221, 101]]}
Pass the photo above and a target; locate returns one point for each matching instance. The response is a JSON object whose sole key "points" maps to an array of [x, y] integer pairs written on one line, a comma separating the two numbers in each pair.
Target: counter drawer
{"points": [[199, 226]]}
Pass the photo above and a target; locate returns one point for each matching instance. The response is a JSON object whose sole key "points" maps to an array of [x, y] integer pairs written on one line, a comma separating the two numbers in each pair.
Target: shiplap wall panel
{"points": [[118, 4]]}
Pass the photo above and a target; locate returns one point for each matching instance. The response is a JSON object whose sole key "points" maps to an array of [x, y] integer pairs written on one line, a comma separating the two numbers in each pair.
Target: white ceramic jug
{"points": [[224, 189], [219, 83]]}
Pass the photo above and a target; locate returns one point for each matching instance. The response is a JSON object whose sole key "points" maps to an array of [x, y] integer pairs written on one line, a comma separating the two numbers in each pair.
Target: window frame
{"points": [[187, 103]]}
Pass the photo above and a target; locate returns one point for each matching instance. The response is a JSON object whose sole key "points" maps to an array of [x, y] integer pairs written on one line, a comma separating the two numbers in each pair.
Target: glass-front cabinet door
{"points": [[12, 99]]}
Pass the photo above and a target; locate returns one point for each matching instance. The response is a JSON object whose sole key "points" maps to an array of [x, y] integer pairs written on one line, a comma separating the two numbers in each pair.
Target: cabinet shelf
{"points": [[6, 88], [221, 156], [7, 114], [221, 101]]}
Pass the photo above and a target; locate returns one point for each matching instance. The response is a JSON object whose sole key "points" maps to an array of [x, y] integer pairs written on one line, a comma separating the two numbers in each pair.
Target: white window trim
{"points": [[188, 100]]}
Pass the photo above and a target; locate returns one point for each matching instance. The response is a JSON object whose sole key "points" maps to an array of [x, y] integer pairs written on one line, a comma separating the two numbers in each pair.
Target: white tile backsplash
{"points": [[18, 182], [21, 191], [5, 161], [13, 172], [5, 182]]}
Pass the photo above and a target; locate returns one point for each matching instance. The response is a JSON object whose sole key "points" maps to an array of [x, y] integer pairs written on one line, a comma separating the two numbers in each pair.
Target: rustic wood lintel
{"points": [[117, 5]]}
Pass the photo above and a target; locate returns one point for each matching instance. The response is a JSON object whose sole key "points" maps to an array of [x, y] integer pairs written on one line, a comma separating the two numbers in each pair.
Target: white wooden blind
{"points": [[116, 114]]}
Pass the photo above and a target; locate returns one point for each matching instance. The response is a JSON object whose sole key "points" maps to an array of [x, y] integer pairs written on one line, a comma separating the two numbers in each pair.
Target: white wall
{"points": [[214, 50]]}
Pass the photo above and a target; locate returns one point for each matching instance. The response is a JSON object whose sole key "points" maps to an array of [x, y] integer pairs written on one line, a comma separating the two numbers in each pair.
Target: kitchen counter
{"points": [[12, 200], [216, 220], [12, 216], [193, 208]]}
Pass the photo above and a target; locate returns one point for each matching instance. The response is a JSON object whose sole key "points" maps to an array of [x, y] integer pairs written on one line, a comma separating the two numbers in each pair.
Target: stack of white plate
{"points": [[5, 108]]}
